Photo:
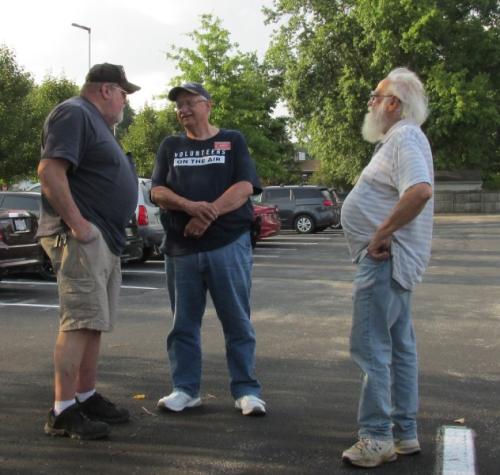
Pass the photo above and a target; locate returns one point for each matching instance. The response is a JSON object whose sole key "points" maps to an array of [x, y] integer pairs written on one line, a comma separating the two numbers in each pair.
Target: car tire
{"points": [[46, 271], [304, 224]]}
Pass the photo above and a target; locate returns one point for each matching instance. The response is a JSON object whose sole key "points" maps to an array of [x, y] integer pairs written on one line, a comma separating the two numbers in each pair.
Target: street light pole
{"points": [[76, 25]]}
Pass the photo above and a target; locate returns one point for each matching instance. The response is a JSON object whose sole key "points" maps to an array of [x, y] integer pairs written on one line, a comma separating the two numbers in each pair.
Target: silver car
{"points": [[148, 220]]}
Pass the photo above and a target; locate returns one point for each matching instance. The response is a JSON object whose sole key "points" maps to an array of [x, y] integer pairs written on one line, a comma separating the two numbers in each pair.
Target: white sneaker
{"points": [[178, 401], [406, 446], [370, 453], [250, 406]]}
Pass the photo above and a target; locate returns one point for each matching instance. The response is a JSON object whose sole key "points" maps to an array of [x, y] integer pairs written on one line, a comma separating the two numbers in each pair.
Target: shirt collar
{"points": [[392, 130]]}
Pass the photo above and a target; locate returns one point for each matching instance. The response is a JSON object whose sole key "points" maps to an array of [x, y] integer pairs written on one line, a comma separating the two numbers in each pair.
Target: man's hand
{"points": [[85, 232], [379, 247], [195, 228], [203, 210]]}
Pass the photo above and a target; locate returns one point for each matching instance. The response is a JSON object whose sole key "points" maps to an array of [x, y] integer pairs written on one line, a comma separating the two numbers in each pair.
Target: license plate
{"points": [[129, 232], [20, 225]]}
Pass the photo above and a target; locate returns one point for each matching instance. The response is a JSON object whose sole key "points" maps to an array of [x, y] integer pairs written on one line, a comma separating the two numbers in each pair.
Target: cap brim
{"points": [[130, 88], [174, 92]]}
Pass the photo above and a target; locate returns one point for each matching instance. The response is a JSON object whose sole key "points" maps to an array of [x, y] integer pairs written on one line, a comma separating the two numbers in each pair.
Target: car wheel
{"points": [[304, 224], [46, 271]]}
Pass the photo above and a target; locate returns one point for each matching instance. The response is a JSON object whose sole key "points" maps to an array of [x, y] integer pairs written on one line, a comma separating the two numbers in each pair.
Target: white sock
{"points": [[59, 406], [82, 397]]}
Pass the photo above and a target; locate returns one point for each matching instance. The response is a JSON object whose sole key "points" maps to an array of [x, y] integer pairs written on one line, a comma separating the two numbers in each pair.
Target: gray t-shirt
{"points": [[403, 160], [102, 178]]}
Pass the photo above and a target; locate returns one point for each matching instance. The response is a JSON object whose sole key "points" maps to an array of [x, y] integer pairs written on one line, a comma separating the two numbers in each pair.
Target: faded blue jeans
{"points": [[226, 273], [383, 345]]}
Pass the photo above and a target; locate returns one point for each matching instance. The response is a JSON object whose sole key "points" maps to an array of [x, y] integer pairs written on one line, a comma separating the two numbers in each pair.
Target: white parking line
{"points": [[456, 453], [293, 243], [35, 282], [2, 304], [162, 272]]}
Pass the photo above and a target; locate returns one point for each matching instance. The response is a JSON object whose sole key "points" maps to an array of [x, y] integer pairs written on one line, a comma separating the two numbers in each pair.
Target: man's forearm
{"points": [[167, 199], [55, 187], [407, 208], [234, 197]]}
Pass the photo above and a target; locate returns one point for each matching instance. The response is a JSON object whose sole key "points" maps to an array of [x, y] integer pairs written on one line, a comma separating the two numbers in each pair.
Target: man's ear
{"points": [[393, 105], [105, 90]]}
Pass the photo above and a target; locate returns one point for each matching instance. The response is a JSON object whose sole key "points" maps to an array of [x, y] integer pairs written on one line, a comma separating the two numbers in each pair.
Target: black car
{"points": [[30, 201], [305, 208], [19, 249], [135, 245]]}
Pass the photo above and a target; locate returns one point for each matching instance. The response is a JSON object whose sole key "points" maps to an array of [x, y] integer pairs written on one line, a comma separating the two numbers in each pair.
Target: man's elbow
{"points": [[425, 192]]}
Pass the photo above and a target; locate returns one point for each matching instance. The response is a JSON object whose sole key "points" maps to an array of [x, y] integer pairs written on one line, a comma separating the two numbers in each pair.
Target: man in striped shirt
{"points": [[387, 221]]}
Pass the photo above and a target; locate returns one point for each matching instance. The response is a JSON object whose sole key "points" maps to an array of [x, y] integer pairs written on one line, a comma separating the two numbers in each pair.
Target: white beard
{"points": [[374, 125], [119, 118]]}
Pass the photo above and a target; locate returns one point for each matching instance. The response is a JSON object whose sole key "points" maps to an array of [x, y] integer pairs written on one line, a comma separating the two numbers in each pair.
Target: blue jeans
{"points": [[226, 273], [383, 345]]}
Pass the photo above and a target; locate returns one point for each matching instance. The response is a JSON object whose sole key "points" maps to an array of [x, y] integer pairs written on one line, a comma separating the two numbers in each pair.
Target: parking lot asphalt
{"points": [[302, 315]]}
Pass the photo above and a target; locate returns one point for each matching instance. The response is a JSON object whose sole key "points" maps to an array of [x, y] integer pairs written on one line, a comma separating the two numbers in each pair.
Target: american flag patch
{"points": [[222, 145]]}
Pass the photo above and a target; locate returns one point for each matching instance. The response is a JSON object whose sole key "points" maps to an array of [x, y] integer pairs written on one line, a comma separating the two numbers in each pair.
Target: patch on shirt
{"points": [[222, 145]]}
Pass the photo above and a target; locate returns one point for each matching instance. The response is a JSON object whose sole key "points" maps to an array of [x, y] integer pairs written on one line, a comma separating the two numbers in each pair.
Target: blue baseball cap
{"points": [[192, 88]]}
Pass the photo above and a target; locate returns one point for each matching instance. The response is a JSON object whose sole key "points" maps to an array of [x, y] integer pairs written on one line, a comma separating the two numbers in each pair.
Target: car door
{"points": [[280, 197]]}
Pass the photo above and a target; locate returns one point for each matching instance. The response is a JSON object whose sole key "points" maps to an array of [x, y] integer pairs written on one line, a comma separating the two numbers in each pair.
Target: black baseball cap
{"points": [[107, 72], [191, 87]]}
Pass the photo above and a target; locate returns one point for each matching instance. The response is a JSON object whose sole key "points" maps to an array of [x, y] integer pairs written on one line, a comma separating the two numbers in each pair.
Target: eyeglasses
{"points": [[190, 104], [373, 95], [124, 93]]}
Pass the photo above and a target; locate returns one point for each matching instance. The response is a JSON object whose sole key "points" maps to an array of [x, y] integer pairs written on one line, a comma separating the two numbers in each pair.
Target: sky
{"points": [[134, 33]]}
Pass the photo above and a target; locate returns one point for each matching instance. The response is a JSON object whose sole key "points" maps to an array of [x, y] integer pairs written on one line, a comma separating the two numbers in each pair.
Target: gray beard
{"points": [[374, 125]]}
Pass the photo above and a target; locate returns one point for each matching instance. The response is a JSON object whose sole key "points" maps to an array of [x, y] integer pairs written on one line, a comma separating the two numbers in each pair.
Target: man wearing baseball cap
{"points": [[89, 194], [203, 180]]}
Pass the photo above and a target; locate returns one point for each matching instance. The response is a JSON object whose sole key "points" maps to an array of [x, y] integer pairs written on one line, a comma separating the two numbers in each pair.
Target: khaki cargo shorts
{"points": [[89, 279]]}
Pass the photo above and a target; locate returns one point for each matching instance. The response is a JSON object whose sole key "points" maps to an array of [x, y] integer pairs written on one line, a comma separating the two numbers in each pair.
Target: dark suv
{"points": [[306, 208], [19, 249]]}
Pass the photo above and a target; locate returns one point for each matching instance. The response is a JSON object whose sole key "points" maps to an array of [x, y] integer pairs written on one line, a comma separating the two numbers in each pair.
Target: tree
{"points": [[15, 87], [128, 119], [242, 93], [329, 54], [145, 134], [40, 101]]}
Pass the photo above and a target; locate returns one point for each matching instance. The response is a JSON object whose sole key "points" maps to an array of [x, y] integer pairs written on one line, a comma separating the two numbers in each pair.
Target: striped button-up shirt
{"points": [[403, 160]]}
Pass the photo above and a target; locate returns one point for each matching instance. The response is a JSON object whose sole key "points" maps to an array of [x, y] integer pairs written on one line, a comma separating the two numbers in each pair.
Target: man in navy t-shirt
{"points": [[203, 180], [89, 194]]}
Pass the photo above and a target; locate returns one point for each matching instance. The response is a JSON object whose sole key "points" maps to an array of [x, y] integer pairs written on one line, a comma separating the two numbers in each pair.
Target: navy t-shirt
{"points": [[202, 170], [102, 178]]}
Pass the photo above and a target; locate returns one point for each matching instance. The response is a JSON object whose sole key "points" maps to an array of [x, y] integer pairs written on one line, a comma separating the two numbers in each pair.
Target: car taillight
{"points": [[327, 203], [142, 216]]}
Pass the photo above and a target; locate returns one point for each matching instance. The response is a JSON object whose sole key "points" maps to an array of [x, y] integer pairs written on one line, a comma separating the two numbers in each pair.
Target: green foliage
{"points": [[15, 87], [23, 108], [242, 93], [128, 119], [329, 54], [145, 134], [41, 100]]}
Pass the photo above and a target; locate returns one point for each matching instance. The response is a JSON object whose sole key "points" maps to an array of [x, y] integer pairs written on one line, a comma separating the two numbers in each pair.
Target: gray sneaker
{"points": [[406, 446], [370, 453]]}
